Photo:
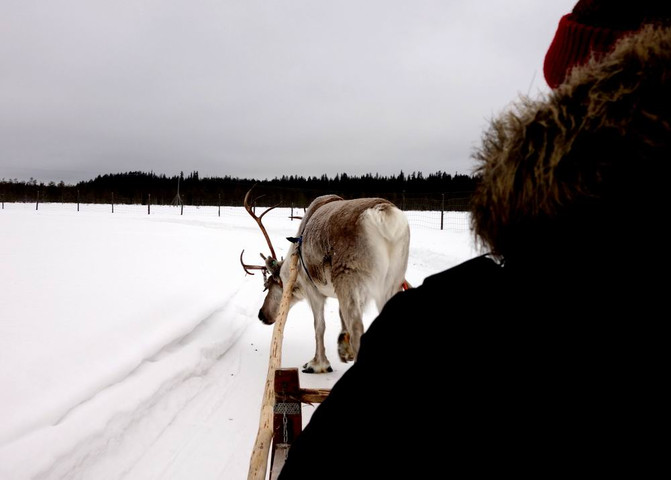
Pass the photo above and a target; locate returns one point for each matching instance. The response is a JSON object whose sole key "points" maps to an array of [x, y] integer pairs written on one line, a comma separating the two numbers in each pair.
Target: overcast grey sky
{"points": [[259, 89]]}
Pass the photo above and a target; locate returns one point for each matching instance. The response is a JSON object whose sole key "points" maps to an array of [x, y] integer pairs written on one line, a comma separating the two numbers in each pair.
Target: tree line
{"points": [[413, 191]]}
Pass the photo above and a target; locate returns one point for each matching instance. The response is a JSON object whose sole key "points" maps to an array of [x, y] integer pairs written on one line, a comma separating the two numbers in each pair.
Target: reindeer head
{"points": [[272, 281]]}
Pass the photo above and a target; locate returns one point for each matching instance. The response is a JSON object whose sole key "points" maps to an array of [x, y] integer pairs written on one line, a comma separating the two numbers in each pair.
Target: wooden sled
{"points": [[287, 414]]}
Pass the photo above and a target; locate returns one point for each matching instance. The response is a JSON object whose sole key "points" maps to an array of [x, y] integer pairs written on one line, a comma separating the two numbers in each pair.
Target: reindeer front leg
{"points": [[319, 364]]}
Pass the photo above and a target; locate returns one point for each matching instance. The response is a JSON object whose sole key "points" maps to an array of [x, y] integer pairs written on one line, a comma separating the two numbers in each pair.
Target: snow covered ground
{"points": [[129, 343]]}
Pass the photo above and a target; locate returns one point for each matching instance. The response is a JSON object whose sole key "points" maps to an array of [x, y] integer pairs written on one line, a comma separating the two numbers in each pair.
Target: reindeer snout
{"points": [[263, 318]]}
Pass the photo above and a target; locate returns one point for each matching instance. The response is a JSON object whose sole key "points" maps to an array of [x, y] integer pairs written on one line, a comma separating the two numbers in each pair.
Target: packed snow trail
{"points": [[191, 427]]}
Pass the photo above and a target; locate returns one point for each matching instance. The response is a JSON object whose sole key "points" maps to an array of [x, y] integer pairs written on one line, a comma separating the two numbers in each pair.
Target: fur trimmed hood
{"points": [[564, 172]]}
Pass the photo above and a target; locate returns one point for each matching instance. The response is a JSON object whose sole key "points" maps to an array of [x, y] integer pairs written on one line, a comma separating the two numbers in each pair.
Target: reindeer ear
{"points": [[273, 266]]}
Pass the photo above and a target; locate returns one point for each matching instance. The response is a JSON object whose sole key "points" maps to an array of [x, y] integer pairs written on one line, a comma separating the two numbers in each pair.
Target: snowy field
{"points": [[129, 342]]}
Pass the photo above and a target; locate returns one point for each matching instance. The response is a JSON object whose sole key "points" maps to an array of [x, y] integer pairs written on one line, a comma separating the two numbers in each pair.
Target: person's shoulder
{"points": [[482, 269], [443, 303], [468, 277], [454, 285]]}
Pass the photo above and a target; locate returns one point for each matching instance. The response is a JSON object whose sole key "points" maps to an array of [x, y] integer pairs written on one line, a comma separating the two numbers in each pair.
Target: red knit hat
{"points": [[593, 28]]}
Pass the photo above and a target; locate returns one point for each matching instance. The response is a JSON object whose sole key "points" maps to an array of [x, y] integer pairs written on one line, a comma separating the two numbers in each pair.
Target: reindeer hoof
{"points": [[345, 351], [313, 367], [346, 358]]}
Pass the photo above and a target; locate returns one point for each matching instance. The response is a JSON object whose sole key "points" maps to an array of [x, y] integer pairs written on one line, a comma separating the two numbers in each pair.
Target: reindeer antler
{"points": [[253, 267], [259, 221]]}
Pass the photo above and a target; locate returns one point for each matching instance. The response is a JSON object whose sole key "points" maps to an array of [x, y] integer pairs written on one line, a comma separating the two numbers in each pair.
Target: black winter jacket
{"points": [[465, 376]]}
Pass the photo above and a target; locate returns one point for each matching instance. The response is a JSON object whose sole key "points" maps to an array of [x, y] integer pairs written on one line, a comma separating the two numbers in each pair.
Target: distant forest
{"points": [[414, 191]]}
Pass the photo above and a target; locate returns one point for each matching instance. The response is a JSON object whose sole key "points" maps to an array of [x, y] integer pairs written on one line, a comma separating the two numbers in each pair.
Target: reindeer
{"points": [[352, 250]]}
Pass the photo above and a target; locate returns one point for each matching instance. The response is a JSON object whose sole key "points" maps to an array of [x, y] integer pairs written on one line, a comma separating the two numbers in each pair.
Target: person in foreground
{"points": [[546, 355]]}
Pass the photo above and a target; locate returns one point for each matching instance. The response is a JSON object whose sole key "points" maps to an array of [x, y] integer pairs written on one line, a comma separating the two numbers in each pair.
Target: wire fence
{"points": [[426, 216]]}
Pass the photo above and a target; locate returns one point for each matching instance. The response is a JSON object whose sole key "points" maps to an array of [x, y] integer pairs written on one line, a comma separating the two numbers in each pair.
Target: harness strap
{"points": [[299, 243]]}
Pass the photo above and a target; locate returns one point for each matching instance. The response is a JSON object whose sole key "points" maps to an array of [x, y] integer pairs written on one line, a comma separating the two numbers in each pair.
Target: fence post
{"points": [[181, 209], [77, 199], [149, 204], [37, 200], [442, 210], [112, 202], [219, 206]]}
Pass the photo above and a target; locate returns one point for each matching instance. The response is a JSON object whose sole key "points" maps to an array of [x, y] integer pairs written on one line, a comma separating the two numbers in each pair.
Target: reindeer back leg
{"points": [[396, 264], [345, 351], [351, 305]]}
